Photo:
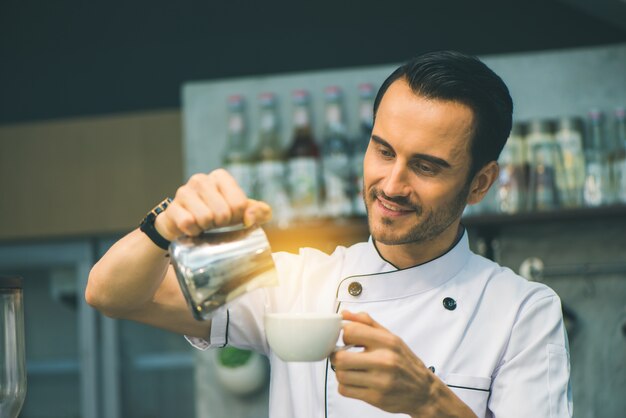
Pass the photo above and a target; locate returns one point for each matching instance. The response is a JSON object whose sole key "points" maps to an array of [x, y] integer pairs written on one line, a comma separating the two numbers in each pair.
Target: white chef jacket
{"points": [[498, 341]]}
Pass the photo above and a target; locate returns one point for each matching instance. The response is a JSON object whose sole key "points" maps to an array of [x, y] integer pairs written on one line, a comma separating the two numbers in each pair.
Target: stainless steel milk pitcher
{"points": [[220, 265]]}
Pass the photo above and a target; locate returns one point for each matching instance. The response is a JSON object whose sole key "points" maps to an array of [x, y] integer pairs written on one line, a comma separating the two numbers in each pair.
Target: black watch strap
{"points": [[147, 225]]}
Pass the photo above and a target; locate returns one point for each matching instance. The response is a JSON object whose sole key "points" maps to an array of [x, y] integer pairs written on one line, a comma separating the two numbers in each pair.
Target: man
{"points": [[444, 332]]}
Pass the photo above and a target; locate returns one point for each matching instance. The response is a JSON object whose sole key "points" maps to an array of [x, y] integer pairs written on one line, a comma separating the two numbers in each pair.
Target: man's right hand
{"points": [[134, 281], [209, 201]]}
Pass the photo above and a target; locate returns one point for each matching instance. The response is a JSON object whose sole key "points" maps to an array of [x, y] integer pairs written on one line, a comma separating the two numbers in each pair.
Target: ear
{"points": [[482, 181]]}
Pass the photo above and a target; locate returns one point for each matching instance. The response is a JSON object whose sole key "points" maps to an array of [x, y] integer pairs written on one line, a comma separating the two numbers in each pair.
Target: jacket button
{"points": [[449, 304], [355, 288]]}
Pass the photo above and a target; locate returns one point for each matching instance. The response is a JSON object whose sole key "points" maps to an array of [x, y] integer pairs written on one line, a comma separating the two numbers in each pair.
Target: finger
{"points": [[221, 212], [178, 221], [362, 329], [365, 361], [188, 197], [361, 317], [257, 212], [207, 202], [166, 227], [369, 337], [357, 378], [379, 399], [355, 392], [375, 379], [232, 193], [203, 215]]}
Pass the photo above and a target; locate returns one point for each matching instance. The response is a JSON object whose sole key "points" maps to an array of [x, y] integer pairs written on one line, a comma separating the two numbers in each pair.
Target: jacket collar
{"points": [[380, 280]]}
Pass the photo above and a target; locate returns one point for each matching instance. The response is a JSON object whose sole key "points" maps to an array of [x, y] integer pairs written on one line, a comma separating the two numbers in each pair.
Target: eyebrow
{"points": [[431, 158]]}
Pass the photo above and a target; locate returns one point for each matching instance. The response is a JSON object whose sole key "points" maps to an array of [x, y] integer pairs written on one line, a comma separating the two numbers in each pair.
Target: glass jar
{"points": [[569, 136], [545, 166], [12, 357], [596, 189], [511, 185], [618, 160]]}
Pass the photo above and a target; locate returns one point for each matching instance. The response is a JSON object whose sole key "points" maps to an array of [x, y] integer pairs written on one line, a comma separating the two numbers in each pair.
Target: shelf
{"points": [[560, 215], [357, 225], [326, 234]]}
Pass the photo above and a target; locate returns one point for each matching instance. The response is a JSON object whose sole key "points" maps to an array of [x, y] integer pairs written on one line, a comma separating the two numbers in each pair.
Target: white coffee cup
{"points": [[303, 336]]}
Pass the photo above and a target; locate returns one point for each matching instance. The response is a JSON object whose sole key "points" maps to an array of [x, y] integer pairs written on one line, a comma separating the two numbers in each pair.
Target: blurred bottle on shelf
{"points": [[360, 143], [236, 158], [618, 160], [303, 161], [545, 166], [511, 184], [270, 183], [596, 188], [569, 136], [526, 165], [336, 157]]}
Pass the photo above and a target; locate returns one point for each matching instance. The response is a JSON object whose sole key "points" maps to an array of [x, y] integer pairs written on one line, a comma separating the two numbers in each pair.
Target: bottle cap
{"points": [[366, 90], [332, 92], [300, 96], [267, 98], [235, 101], [595, 115]]}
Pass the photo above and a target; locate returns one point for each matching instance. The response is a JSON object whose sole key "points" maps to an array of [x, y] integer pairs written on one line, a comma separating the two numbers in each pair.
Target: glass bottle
{"points": [[303, 161], [596, 173], [544, 166], [236, 158], [12, 350], [360, 144], [619, 156], [270, 185], [336, 158], [570, 139], [511, 185]]}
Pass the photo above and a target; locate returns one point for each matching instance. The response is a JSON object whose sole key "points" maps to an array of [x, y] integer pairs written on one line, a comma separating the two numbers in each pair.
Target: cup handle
{"points": [[347, 346]]}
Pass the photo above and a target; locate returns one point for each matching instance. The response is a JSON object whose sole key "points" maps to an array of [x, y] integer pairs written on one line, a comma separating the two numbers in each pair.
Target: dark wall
{"points": [[69, 58]]}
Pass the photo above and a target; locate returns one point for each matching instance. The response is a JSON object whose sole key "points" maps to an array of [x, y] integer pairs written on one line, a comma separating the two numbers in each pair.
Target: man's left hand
{"points": [[387, 374]]}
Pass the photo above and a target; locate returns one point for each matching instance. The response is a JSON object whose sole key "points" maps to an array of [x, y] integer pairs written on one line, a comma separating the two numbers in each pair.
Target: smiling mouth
{"points": [[393, 209]]}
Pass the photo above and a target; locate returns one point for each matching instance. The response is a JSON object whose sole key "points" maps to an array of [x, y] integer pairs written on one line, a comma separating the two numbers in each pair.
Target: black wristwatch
{"points": [[147, 225]]}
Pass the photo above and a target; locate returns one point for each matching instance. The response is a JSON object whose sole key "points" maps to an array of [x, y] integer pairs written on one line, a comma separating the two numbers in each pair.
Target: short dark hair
{"points": [[450, 75]]}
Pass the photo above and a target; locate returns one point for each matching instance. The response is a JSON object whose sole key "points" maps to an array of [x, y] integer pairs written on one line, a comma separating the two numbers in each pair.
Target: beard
{"points": [[426, 226]]}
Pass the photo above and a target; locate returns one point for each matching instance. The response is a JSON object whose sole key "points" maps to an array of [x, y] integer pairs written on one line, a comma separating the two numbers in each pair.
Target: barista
{"points": [[444, 332]]}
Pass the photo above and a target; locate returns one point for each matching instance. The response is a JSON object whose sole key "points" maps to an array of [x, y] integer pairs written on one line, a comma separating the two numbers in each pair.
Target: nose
{"points": [[396, 182]]}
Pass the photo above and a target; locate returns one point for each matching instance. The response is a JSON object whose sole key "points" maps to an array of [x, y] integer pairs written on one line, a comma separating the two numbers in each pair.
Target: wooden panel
{"points": [[86, 176]]}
